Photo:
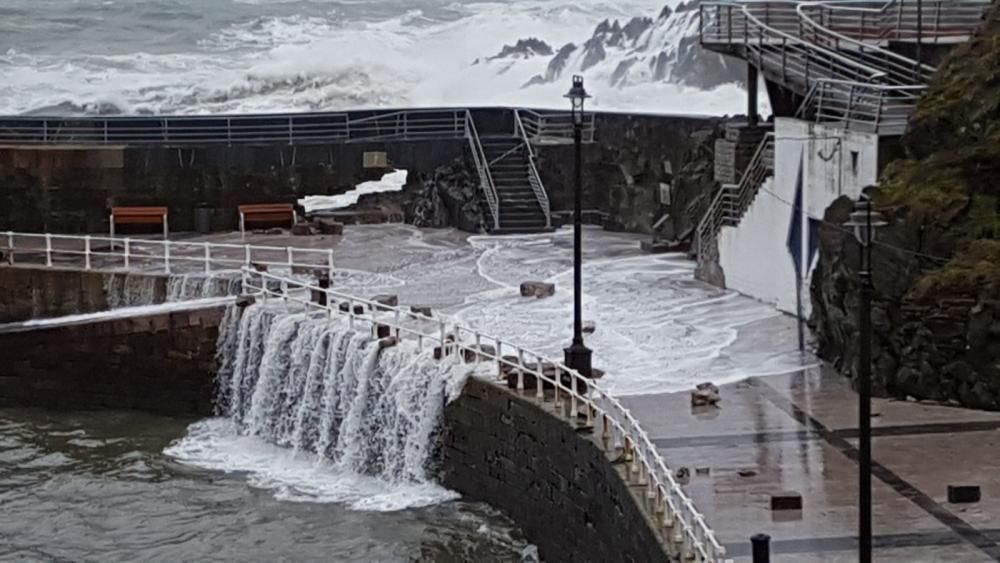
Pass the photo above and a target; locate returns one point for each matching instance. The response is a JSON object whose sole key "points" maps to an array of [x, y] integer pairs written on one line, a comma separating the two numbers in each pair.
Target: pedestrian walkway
{"points": [[798, 433]]}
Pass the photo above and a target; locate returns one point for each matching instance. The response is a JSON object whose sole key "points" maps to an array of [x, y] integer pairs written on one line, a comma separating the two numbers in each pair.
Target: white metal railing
{"points": [[483, 169], [732, 201], [150, 255], [399, 125], [554, 127], [533, 177], [872, 108], [683, 528]]}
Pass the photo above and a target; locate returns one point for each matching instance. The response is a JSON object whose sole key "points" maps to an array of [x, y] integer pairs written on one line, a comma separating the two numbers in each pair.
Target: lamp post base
{"points": [[578, 357]]}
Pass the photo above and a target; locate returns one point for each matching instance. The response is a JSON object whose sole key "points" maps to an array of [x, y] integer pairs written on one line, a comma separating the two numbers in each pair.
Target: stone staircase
{"points": [[519, 207]]}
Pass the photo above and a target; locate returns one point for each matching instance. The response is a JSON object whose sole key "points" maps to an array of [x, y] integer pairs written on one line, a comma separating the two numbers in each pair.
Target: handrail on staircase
{"points": [[733, 200], [485, 176], [533, 177]]}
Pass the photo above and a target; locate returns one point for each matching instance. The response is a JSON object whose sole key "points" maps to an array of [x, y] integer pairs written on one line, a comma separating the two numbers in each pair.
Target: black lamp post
{"points": [[577, 355], [865, 223]]}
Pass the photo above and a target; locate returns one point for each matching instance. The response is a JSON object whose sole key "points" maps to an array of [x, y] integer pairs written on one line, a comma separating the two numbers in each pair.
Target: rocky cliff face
{"points": [[640, 50], [936, 315]]}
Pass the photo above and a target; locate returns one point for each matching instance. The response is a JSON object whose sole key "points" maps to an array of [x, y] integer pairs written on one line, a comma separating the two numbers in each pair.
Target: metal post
{"points": [[246, 255], [288, 252], [208, 258], [166, 257], [761, 548], [10, 247], [864, 401], [920, 29], [128, 251], [752, 116], [48, 250], [578, 356], [86, 252]]}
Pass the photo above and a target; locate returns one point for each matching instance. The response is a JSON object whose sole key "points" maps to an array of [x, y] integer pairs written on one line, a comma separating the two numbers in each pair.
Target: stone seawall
{"points": [[558, 485], [36, 292], [70, 188], [161, 362]]}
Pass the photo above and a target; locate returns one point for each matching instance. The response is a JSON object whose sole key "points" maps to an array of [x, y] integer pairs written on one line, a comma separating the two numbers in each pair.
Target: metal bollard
{"points": [[761, 548]]}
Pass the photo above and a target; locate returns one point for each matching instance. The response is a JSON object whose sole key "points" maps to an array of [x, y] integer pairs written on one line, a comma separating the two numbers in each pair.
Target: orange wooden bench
{"points": [[266, 213], [139, 216]]}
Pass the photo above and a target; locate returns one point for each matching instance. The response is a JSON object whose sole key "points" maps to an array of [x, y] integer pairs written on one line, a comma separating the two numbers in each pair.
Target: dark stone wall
{"points": [[71, 188], [31, 293], [556, 484], [624, 167], [162, 363]]}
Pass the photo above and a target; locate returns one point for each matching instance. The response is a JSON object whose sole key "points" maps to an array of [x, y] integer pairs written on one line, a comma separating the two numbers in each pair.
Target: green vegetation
{"points": [[949, 186]]}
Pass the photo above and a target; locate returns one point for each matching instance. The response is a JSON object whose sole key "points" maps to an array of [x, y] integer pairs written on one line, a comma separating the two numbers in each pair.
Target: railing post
{"points": [[86, 252], [128, 251], [246, 255], [208, 258], [229, 132], [329, 264], [10, 246], [48, 250], [288, 252], [166, 257], [291, 137], [45, 130], [442, 333]]}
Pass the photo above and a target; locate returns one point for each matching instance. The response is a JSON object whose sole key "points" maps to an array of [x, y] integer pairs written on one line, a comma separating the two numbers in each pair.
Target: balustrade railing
{"points": [[582, 401], [290, 129], [554, 127], [483, 170], [534, 179], [732, 201], [153, 255]]}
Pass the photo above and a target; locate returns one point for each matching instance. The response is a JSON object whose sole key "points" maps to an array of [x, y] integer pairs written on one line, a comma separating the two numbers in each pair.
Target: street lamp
{"points": [[577, 355], [865, 222]]}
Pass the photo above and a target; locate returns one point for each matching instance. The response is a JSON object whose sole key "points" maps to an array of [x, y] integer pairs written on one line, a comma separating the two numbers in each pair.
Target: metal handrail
{"points": [[877, 108], [289, 129], [557, 126], [482, 168], [534, 179], [733, 200], [684, 528], [155, 255]]}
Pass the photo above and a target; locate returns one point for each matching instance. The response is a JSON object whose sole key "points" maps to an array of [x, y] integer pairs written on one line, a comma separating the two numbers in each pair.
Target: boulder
{"points": [[421, 310], [302, 229], [328, 226], [706, 394], [538, 289], [387, 300]]}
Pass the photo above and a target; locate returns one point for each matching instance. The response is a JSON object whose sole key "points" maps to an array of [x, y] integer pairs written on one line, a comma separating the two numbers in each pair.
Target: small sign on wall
{"points": [[376, 159], [664, 194]]}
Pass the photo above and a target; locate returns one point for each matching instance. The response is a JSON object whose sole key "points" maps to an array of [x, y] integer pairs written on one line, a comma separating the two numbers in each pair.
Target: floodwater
{"points": [[99, 487]]}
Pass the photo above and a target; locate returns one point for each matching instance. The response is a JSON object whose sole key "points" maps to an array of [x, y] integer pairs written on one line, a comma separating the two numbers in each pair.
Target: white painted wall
{"points": [[754, 255]]}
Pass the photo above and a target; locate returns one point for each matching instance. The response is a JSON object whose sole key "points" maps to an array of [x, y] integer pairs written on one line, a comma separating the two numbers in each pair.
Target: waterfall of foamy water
{"points": [[184, 287], [127, 290], [313, 385]]}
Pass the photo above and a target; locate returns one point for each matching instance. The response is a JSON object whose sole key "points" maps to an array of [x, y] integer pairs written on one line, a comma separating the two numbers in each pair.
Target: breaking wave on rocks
{"points": [[219, 56], [317, 411]]}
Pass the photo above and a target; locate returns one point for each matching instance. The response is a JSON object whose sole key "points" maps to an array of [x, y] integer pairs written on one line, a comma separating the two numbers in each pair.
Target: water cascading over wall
{"points": [[313, 384]]}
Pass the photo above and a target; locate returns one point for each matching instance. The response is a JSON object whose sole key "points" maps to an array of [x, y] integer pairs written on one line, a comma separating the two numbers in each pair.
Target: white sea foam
{"points": [[319, 412], [391, 182], [326, 60]]}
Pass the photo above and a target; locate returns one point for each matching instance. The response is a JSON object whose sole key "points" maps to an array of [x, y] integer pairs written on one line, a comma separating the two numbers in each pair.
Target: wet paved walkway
{"points": [[798, 432]]}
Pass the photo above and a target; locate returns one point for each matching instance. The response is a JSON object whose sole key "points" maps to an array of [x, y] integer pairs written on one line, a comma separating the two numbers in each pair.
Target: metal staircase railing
{"points": [[924, 21], [732, 201], [553, 127], [483, 169], [533, 177], [872, 108]]}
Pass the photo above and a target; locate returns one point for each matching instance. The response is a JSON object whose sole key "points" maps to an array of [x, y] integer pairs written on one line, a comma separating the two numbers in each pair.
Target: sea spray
{"points": [[128, 290], [333, 398]]}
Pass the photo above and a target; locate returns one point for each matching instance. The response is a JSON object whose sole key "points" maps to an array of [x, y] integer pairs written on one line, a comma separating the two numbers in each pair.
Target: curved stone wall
{"points": [[556, 483]]}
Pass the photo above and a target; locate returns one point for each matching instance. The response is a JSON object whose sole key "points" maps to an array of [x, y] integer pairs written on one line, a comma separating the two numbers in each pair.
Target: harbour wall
{"points": [[161, 362], [34, 292], [70, 188], [557, 483]]}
